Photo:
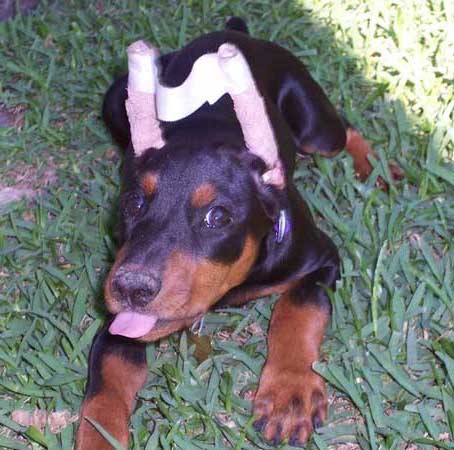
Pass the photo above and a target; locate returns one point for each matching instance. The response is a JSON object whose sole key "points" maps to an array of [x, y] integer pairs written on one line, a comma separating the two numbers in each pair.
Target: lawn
{"points": [[389, 353]]}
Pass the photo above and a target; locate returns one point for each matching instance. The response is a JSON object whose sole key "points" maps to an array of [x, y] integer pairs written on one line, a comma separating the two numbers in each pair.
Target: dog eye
{"points": [[132, 203], [218, 217]]}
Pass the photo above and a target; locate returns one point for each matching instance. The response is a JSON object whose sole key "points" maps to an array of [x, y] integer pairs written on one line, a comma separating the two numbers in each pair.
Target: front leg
{"points": [[291, 399], [117, 370]]}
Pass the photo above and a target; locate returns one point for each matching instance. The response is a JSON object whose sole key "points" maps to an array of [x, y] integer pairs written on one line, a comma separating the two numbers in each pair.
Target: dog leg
{"points": [[117, 370], [291, 399], [316, 125], [359, 149]]}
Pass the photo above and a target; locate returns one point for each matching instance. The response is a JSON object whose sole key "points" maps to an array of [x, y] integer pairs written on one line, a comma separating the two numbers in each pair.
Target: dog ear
{"points": [[268, 195]]}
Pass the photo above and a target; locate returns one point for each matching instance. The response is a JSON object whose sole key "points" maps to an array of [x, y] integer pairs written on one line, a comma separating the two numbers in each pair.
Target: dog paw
{"points": [[289, 406], [396, 172]]}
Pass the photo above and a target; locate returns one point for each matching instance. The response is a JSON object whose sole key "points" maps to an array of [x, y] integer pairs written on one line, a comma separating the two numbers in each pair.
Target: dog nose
{"points": [[136, 287]]}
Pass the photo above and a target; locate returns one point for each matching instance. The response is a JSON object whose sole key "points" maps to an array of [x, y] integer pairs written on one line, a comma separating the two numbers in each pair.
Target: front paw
{"points": [[289, 405]]}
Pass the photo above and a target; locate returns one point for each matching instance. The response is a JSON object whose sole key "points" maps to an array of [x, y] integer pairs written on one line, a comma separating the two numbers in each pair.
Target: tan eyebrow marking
{"points": [[149, 183], [203, 195]]}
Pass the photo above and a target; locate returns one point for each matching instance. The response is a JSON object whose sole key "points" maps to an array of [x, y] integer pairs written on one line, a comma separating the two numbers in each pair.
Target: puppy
{"points": [[210, 217]]}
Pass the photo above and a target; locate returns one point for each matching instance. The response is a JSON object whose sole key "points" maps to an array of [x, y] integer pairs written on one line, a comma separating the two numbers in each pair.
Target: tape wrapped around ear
{"points": [[251, 112], [141, 103]]}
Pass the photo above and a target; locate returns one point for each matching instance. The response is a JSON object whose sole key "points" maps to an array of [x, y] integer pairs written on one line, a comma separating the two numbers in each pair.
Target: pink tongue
{"points": [[132, 324]]}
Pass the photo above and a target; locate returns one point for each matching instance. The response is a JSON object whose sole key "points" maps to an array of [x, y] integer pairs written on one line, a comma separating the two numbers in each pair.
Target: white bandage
{"points": [[237, 76], [142, 70], [212, 76]]}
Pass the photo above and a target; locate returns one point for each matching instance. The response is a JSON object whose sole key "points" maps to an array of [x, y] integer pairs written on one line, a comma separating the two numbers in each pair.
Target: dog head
{"points": [[192, 223], [193, 213]]}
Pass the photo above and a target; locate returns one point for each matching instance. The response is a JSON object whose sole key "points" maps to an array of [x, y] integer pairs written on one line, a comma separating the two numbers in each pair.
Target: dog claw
{"points": [[317, 422], [260, 424], [294, 440]]}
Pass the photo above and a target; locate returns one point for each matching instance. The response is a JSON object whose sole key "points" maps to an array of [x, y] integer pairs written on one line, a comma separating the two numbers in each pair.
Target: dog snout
{"points": [[135, 287]]}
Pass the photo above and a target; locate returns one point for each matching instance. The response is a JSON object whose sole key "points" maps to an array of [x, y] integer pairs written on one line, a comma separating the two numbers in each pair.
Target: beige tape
{"points": [[141, 103], [251, 112]]}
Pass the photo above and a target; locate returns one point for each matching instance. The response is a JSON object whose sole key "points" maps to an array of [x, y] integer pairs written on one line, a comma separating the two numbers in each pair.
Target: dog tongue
{"points": [[131, 324]]}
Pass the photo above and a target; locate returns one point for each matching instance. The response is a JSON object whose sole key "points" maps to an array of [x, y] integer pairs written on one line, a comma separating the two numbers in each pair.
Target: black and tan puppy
{"points": [[200, 229]]}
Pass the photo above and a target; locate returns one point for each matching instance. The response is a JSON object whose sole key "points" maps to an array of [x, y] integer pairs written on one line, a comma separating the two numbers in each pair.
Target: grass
{"points": [[389, 352]]}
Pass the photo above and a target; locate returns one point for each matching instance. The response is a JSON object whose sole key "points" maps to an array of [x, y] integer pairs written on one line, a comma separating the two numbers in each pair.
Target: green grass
{"points": [[389, 352]]}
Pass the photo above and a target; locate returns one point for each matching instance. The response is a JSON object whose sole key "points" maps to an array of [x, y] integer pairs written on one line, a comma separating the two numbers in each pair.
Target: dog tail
{"points": [[237, 24]]}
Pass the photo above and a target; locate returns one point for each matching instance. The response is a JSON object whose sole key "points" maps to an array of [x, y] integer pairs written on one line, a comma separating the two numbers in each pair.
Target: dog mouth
{"points": [[133, 324], [136, 325]]}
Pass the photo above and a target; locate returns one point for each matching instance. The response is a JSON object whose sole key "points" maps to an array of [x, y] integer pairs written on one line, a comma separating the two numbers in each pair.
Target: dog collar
{"points": [[282, 227]]}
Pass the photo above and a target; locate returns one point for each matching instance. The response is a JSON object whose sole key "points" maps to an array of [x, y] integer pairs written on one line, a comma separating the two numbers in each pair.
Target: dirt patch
{"points": [[22, 181], [39, 418], [12, 117]]}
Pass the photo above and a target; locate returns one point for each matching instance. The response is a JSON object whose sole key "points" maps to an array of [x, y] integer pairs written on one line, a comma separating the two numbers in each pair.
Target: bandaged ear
{"points": [[141, 102], [251, 112]]}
